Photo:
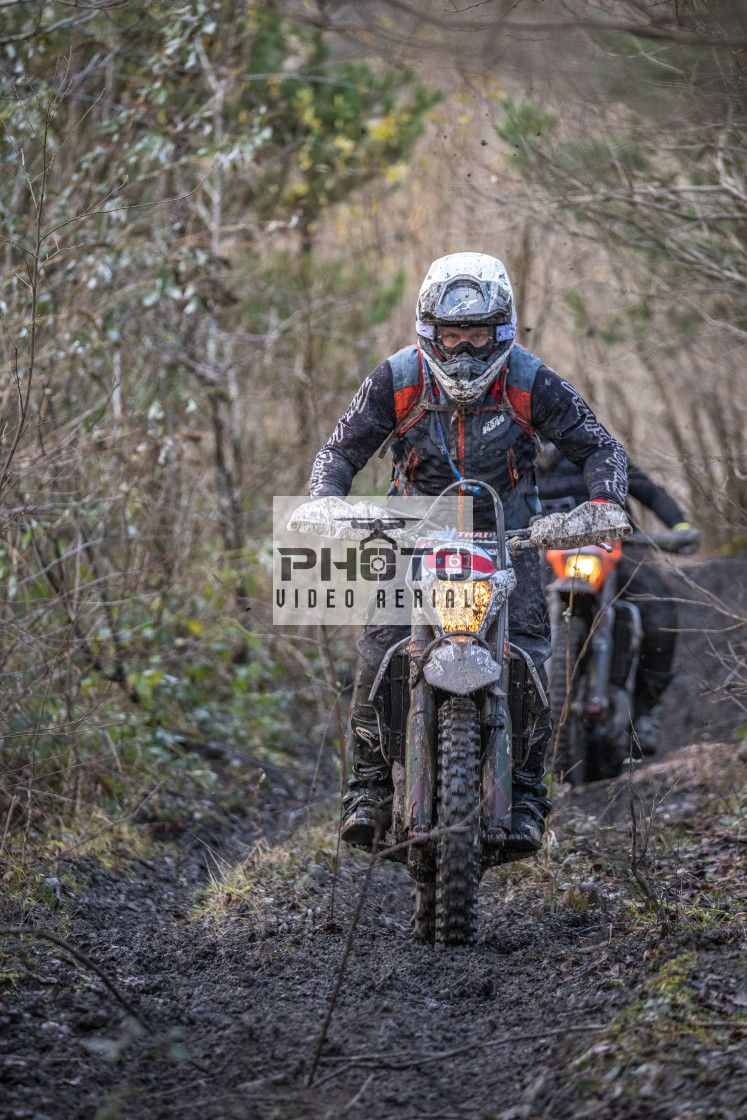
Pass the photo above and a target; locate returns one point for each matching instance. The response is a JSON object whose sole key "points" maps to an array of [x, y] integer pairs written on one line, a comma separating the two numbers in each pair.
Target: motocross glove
{"points": [[687, 538], [589, 523], [336, 518]]}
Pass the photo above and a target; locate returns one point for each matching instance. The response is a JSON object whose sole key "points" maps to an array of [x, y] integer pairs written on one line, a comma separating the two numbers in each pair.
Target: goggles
{"points": [[503, 332]]}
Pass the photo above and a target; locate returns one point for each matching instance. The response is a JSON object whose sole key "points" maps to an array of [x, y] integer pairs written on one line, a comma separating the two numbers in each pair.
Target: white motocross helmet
{"points": [[466, 290]]}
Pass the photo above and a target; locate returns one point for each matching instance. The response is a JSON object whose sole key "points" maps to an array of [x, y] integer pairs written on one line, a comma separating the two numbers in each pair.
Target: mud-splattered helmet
{"points": [[466, 322]]}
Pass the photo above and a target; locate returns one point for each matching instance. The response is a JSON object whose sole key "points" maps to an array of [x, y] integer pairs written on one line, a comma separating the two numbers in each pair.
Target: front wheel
{"points": [[458, 858]]}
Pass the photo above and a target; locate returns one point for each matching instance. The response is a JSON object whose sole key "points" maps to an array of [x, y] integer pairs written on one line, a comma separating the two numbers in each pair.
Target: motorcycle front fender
{"points": [[461, 667]]}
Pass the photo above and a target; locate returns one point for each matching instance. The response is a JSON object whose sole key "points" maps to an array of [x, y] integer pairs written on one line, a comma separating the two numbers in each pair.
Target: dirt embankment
{"points": [[608, 981], [706, 699]]}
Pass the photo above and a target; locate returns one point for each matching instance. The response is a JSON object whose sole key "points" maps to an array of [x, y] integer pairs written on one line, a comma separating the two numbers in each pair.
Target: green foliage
{"points": [[582, 160], [386, 298], [345, 122], [216, 86], [577, 305], [524, 128], [194, 682], [154, 154], [613, 330]]}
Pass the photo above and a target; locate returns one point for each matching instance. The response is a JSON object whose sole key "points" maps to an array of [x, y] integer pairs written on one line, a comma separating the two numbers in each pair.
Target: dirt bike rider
{"points": [[562, 487], [465, 402]]}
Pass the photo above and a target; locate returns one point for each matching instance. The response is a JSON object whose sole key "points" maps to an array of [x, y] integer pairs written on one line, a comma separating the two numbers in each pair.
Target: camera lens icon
{"points": [[378, 564]]}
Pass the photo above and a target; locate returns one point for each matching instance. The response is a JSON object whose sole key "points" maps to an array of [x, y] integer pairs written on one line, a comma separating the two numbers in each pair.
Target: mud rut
{"points": [[249, 1006], [235, 1015]]}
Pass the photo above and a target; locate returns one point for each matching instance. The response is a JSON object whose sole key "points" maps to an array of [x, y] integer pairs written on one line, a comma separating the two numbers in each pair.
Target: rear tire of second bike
{"points": [[458, 857], [569, 746]]}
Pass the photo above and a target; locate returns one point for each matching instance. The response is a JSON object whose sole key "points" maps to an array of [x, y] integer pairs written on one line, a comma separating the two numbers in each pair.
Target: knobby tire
{"points": [[458, 857], [569, 751]]}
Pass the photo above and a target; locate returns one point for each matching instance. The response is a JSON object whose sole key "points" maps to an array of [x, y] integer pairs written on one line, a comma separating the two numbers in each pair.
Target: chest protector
{"points": [[436, 441]]}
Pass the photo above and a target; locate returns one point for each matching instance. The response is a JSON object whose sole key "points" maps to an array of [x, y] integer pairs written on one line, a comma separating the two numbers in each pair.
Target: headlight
{"points": [[585, 567], [461, 607]]}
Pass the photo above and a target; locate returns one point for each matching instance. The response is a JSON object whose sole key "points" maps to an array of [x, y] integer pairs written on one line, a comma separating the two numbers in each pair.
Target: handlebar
{"points": [[683, 541], [328, 516], [334, 517]]}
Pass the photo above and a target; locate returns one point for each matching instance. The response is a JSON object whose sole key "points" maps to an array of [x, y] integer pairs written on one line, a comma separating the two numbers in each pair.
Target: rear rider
{"points": [[465, 401], [562, 487]]}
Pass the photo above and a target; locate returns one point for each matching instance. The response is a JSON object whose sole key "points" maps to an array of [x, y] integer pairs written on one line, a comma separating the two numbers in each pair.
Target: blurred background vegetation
{"points": [[214, 219]]}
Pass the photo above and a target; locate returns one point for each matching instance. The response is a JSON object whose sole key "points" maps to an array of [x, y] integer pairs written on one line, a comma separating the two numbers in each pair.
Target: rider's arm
{"points": [[370, 418], [654, 497], [561, 415]]}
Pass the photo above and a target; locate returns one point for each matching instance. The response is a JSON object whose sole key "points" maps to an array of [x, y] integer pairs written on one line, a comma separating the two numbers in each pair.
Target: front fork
{"points": [[602, 645], [422, 745], [422, 739], [496, 761]]}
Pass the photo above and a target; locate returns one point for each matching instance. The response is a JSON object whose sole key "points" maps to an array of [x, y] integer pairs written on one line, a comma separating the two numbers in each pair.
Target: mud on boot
{"points": [[530, 806], [367, 806]]}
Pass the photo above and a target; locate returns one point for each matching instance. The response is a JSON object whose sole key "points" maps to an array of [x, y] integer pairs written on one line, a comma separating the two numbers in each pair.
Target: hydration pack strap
{"points": [[425, 402]]}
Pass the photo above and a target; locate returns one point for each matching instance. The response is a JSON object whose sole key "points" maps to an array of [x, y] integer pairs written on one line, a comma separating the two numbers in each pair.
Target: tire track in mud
{"points": [[250, 1006], [236, 1010]]}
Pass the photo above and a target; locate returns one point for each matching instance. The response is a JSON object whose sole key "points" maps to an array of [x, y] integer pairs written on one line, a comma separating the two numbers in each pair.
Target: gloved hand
{"points": [[688, 535], [336, 518], [589, 523]]}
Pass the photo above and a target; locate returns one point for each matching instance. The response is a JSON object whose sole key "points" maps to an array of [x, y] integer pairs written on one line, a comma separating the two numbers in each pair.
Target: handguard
{"points": [[589, 523], [334, 517]]}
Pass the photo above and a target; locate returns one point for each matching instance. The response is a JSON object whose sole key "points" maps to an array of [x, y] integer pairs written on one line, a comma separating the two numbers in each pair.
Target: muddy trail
{"points": [[608, 980]]}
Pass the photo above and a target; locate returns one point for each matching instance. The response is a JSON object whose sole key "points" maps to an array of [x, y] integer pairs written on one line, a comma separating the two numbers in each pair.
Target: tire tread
{"points": [[458, 859]]}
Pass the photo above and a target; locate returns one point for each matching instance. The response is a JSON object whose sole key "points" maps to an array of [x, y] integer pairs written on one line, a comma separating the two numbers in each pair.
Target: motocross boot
{"points": [[647, 727], [367, 806], [529, 809], [530, 805], [647, 720]]}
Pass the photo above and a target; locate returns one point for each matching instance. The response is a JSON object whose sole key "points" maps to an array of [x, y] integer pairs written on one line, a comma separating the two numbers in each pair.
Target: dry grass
{"points": [[275, 888]]}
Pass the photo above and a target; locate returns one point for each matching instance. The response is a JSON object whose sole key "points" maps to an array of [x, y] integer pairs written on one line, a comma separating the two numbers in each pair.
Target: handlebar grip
{"points": [[673, 540]]}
